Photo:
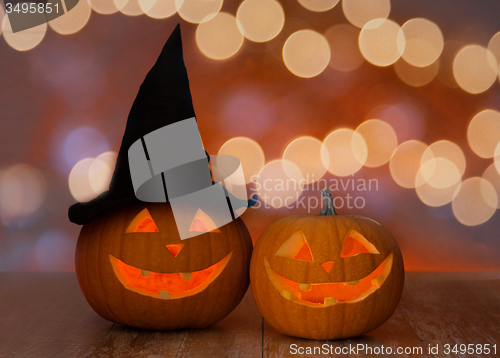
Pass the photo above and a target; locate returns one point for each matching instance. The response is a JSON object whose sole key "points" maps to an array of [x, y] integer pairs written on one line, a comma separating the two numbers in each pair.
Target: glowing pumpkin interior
{"points": [[174, 249], [203, 223], [167, 285], [143, 222], [331, 293], [355, 244], [296, 247]]}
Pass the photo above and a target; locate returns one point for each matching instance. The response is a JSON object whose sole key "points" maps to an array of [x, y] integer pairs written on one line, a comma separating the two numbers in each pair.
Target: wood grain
{"points": [[277, 344], [237, 335], [123, 341], [395, 333], [46, 315], [448, 310]]}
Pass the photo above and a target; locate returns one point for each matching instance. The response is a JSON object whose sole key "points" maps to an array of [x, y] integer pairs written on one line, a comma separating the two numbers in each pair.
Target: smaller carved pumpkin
{"points": [[134, 269], [328, 276]]}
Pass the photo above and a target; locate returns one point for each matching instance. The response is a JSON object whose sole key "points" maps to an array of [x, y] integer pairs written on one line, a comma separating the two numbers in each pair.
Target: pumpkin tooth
{"points": [[286, 294], [377, 281], [330, 301], [164, 295], [351, 283], [145, 272], [186, 275], [304, 286]]}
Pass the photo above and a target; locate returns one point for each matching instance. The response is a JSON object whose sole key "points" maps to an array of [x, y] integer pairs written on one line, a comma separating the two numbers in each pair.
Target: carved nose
{"points": [[327, 266], [174, 249]]}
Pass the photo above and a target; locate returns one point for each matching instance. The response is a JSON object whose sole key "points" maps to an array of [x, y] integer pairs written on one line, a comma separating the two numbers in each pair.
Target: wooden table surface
{"points": [[46, 315]]}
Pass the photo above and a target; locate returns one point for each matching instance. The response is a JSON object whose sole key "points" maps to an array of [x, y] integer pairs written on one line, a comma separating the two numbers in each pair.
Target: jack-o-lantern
{"points": [[328, 276], [134, 269]]}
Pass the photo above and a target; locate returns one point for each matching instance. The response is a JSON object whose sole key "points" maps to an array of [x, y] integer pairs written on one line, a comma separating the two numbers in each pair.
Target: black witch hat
{"points": [[164, 98]]}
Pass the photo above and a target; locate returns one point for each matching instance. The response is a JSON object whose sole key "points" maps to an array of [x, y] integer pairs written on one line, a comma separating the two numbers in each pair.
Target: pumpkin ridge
{"points": [[101, 229], [375, 306], [120, 250], [83, 252]]}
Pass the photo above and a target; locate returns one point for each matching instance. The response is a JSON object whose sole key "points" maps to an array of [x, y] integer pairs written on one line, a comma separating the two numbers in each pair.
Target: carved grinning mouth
{"points": [[331, 293], [166, 286]]}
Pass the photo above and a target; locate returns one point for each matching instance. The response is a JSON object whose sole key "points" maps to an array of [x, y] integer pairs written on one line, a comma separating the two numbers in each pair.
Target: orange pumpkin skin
{"points": [[325, 235], [105, 236]]}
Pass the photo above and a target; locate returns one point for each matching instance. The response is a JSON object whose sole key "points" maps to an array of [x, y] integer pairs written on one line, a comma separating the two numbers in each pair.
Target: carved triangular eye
{"points": [[203, 223], [143, 222], [354, 244], [296, 247]]}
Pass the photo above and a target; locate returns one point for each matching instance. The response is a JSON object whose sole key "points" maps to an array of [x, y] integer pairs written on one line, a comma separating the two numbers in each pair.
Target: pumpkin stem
{"points": [[329, 208]]}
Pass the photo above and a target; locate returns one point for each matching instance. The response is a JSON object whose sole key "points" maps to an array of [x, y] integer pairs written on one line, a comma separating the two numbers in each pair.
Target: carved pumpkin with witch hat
{"points": [[135, 264]]}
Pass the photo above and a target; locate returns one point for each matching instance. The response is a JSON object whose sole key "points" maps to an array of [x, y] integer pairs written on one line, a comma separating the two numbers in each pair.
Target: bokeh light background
{"points": [[394, 104]]}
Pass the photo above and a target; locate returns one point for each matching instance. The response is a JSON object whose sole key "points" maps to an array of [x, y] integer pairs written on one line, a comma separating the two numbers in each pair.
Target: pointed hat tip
{"points": [[163, 98], [177, 31], [174, 41]]}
